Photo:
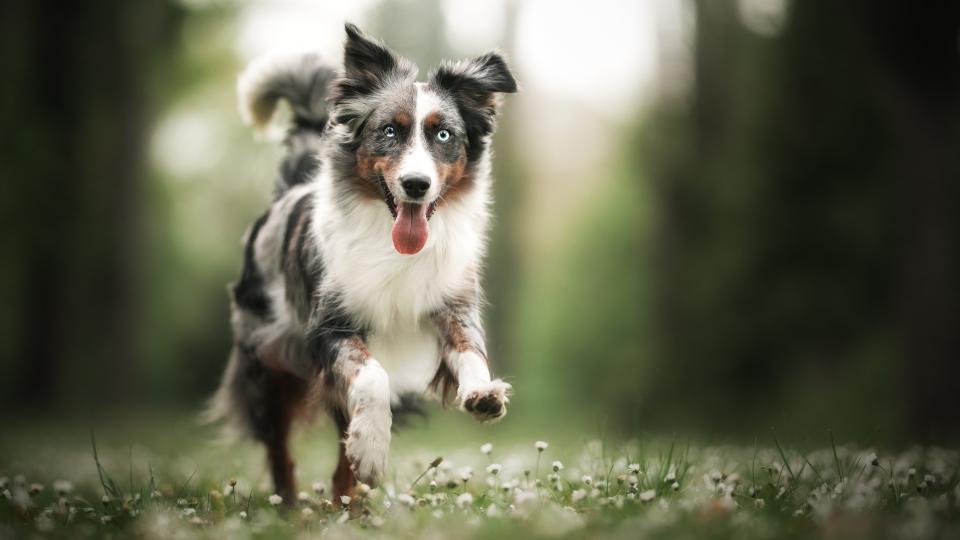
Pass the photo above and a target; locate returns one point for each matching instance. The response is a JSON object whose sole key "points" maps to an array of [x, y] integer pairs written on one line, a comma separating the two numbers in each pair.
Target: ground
{"points": [[170, 478]]}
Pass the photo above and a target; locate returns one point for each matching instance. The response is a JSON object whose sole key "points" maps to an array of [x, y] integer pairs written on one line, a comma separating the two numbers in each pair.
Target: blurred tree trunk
{"points": [[809, 237], [919, 92], [76, 105]]}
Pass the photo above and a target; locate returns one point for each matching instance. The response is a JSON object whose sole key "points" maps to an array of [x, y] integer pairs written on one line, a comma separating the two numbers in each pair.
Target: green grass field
{"points": [[169, 478]]}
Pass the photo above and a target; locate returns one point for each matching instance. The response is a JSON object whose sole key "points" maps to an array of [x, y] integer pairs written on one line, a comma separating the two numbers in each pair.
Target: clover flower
{"points": [[648, 495], [541, 445], [275, 499], [557, 466], [464, 500], [486, 448], [62, 487], [494, 468]]}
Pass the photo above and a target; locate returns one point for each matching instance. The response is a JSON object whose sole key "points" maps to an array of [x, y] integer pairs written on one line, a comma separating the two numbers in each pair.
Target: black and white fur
{"points": [[327, 312]]}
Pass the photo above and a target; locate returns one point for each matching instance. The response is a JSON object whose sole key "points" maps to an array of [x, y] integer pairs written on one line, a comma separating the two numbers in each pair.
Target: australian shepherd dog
{"points": [[360, 283]]}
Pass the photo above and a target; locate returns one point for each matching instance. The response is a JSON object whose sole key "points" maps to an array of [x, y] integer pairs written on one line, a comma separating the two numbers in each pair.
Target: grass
{"points": [[174, 482]]}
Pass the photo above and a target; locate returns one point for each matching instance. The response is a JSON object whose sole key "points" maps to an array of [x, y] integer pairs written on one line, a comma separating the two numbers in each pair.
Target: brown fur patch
{"points": [[455, 178], [369, 169], [432, 120], [444, 384]]}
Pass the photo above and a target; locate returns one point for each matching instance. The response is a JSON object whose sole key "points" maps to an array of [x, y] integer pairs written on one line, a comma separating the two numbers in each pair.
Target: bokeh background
{"points": [[713, 217]]}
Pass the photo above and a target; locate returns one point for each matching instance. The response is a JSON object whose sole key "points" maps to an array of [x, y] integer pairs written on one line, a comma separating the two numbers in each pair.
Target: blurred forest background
{"points": [[712, 216]]}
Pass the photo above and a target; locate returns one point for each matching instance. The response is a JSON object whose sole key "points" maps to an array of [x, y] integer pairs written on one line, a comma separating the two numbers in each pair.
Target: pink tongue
{"points": [[410, 229]]}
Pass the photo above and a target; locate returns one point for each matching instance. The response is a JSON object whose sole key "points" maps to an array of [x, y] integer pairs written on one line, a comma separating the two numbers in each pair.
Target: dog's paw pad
{"points": [[487, 402]]}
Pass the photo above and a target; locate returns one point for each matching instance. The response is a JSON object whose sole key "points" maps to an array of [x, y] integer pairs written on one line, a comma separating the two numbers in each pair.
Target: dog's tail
{"points": [[302, 80]]}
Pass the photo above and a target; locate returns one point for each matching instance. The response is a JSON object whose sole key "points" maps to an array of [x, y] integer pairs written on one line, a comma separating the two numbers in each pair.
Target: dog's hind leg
{"points": [[284, 397], [268, 400]]}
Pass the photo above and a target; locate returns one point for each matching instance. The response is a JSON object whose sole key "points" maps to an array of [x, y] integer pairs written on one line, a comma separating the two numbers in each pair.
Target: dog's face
{"points": [[411, 146]]}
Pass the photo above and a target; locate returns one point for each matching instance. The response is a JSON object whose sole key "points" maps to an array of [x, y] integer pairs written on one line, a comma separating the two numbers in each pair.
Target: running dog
{"points": [[360, 284]]}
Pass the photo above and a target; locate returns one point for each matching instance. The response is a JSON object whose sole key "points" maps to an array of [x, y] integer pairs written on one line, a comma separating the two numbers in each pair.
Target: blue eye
{"points": [[443, 135], [390, 131]]}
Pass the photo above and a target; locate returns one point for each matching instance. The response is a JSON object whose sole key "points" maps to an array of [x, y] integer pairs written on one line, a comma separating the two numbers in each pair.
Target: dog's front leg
{"points": [[465, 356], [363, 398]]}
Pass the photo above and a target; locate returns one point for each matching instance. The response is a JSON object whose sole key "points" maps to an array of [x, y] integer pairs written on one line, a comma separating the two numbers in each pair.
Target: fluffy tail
{"points": [[302, 80]]}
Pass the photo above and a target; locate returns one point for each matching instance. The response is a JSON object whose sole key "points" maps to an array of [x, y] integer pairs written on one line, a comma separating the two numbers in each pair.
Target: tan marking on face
{"points": [[432, 120], [402, 119], [455, 178], [369, 170]]}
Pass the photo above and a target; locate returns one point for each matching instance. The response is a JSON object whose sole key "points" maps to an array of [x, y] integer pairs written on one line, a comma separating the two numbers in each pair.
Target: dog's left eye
{"points": [[390, 131], [443, 135]]}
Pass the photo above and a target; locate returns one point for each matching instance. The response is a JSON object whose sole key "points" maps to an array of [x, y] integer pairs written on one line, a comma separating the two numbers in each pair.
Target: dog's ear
{"points": [[475, 86], [367, 67]]}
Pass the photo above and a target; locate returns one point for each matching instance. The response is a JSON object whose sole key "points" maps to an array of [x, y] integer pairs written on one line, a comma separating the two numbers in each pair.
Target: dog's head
{"points": [[412, 145]]}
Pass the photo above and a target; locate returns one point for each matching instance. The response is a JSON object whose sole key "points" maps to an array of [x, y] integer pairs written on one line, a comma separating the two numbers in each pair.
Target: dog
{"points": [[360, 284]]}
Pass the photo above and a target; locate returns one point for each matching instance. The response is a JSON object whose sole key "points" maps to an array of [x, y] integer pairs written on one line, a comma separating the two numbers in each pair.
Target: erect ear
{"points": [[478, 78], [474, 84], [367, 67]]}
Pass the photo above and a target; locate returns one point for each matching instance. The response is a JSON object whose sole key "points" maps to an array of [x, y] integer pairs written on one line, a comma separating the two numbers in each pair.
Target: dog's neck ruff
{"points": [[384, 289]]}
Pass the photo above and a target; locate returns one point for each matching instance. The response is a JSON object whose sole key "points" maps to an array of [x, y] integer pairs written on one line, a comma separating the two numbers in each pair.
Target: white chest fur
{"points": [[394, 294]]}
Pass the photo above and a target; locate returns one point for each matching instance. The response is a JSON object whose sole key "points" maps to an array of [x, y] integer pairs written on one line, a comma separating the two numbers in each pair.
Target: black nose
{"points": [[415, 185]]}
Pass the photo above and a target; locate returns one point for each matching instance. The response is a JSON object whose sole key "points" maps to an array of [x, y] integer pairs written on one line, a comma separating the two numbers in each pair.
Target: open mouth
{"points": [[410, 230]]}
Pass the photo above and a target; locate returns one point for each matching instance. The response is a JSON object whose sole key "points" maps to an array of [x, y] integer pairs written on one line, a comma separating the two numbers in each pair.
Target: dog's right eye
{"points": [[390, 131]]}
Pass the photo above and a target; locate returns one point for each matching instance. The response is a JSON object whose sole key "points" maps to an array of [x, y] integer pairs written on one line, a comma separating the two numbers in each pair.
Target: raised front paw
{"points": [[367, 446], [488, 401]]}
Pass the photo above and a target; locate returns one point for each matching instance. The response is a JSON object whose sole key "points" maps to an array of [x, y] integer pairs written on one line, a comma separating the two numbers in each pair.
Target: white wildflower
{"points": [[671, 475], [243, 514], [307, 512], [494, 468], [578, 495], [345, 500], [466, 474], [62, 487], [464, 500], [557, 466], [303, 496], [633, 468], [486, 448], [319, 488], [540, 445], [105, 519], [873, 459], [587, 479], [675, 486], [648, 495], [275, 499], [36, 488], [759, 503], [406, 499], [930, 479]]}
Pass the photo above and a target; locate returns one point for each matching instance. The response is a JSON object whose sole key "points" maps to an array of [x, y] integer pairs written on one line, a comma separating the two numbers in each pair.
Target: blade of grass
{"points": [[109, 487], [836, 457], [783, 456]]}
